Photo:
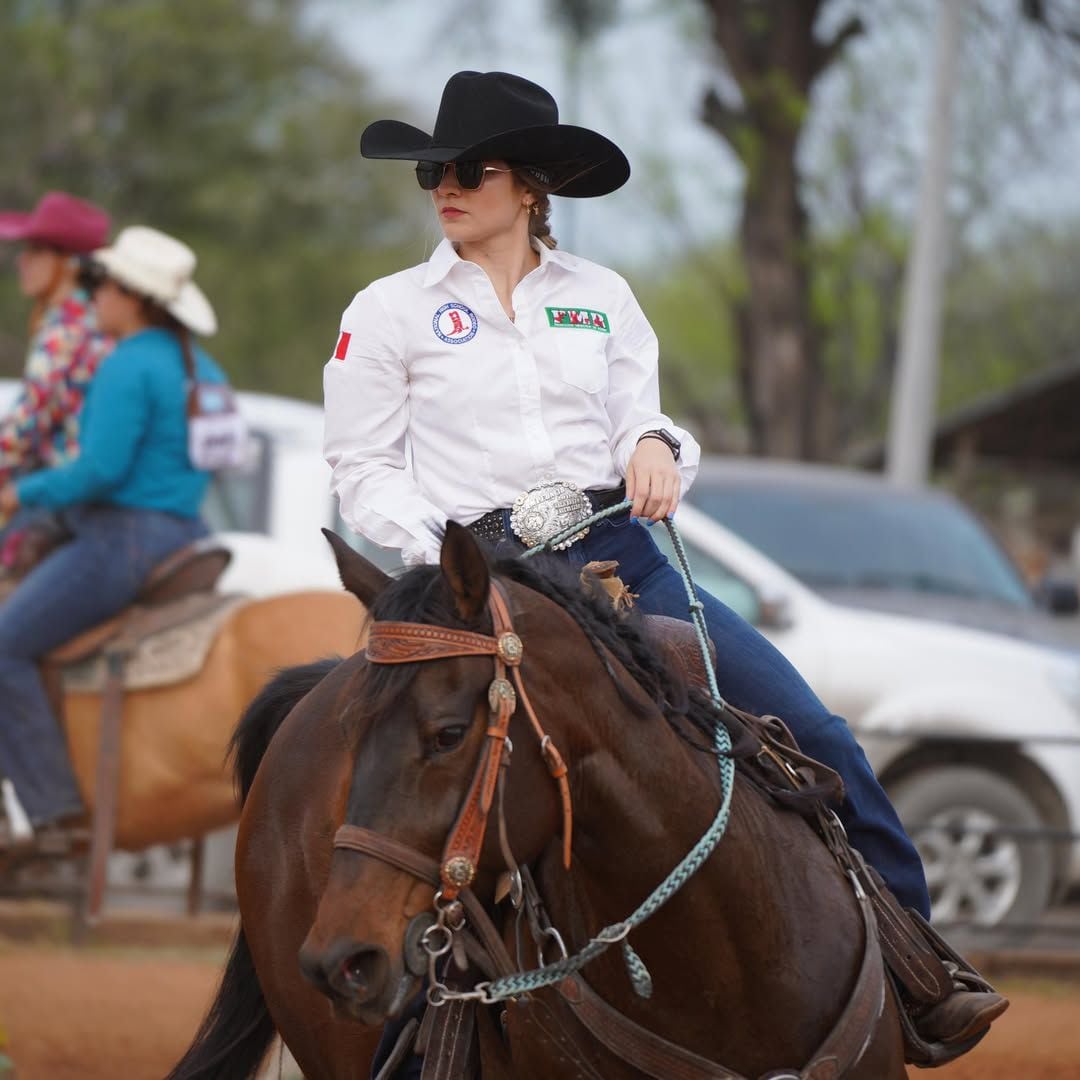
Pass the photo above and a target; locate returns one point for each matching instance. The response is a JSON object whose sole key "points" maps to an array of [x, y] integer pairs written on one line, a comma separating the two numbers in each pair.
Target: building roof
{"points": [[1036, 421]]}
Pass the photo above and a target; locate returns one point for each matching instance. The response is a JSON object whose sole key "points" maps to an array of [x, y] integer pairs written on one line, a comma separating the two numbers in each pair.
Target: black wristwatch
{"points": [[664, 436]]}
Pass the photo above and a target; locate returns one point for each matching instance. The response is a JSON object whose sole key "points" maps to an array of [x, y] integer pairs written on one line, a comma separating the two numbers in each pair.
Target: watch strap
{"points": [[666, 438]]}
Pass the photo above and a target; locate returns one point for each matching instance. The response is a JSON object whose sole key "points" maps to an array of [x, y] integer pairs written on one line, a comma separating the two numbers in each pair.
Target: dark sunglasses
{"points": [[92, 276], [470, 174]]}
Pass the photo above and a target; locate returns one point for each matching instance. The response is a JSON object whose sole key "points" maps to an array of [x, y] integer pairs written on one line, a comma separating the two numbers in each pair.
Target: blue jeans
{"points": [[84, 582], [23, 517], [753, 675]]}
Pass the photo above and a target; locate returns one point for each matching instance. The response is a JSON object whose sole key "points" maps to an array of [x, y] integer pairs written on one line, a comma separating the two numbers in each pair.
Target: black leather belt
{"points": [[492, 525]]}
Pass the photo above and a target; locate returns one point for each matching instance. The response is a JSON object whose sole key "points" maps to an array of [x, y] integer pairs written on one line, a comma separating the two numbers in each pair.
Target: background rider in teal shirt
{"points": [[135, 440], [130, 499]]}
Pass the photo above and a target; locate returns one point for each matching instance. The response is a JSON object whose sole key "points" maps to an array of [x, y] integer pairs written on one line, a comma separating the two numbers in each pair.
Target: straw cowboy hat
{"points": [[59, 220], [493, 115], [159, 267]]}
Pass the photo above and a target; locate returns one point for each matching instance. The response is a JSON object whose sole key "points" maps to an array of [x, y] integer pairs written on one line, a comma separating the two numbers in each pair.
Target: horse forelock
{"points": [[419, 595]]}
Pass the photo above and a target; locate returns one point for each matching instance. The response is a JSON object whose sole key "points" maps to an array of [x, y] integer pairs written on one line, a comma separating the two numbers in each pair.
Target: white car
{"points": [[975, 734]]}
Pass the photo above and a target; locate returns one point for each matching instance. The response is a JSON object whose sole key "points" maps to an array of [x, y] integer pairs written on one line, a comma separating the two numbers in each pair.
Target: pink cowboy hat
{"points": [[59, 220]]}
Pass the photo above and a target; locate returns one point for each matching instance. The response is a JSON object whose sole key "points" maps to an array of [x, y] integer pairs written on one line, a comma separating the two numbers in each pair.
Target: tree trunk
{"points": [[779, 360], [774, 58]]}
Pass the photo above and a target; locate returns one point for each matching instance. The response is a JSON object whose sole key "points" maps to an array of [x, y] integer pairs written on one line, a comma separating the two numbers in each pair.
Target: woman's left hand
{"points": [[652, 481], [9, 500]]}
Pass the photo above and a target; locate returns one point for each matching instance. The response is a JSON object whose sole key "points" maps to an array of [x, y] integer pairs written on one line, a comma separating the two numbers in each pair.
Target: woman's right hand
{"points": [[652, 481]]}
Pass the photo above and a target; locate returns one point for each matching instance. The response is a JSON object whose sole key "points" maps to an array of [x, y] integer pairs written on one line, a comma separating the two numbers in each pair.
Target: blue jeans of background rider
{"points": [[22, 517], [80, 584], [753, 675]]}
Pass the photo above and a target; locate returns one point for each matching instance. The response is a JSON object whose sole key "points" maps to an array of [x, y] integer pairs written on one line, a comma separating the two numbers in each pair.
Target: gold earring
{"points": [[534, 209]]}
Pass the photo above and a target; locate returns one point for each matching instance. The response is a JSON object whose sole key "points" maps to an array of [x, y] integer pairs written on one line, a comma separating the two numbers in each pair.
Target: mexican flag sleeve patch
{"points": [[342, 345]]}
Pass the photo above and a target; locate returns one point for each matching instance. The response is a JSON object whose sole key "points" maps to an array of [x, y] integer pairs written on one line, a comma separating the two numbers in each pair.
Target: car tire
{"points": [[974, 878]]}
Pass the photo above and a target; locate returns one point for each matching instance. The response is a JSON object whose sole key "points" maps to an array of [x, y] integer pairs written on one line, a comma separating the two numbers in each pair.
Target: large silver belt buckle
{"points": [[546, 510]]}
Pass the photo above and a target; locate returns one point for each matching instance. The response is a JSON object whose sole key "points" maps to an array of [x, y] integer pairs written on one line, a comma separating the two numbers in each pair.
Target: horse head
{"points": [[436, 717]]}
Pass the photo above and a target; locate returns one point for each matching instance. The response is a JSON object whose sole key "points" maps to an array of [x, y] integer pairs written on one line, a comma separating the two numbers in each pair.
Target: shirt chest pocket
{"points": [[583, 360]]}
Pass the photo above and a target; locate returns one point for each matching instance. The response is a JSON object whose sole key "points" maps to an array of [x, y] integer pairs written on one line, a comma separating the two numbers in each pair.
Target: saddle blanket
{"points": [[161, 657]]}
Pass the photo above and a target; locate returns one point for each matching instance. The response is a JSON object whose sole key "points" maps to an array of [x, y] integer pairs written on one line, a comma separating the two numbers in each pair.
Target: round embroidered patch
{"points": [[455, 324]]}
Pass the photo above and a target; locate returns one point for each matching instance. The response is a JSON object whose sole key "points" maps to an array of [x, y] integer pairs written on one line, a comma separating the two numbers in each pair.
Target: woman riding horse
{"points": [[131, 498], [513, 387]]}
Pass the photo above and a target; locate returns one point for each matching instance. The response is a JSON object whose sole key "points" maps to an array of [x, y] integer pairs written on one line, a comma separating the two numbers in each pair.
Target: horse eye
{"points": [[449, 737]]}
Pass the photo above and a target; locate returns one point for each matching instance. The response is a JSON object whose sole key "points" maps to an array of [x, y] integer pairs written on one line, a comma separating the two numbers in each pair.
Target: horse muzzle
{"points": [[358, 979]]}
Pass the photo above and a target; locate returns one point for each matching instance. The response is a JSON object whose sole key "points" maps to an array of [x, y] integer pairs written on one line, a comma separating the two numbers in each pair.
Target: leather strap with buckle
{"points": [[535, 522]]}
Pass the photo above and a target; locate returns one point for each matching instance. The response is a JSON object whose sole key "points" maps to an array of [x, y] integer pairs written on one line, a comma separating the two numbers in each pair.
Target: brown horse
{"points": [[767, 929], [293, 766]]}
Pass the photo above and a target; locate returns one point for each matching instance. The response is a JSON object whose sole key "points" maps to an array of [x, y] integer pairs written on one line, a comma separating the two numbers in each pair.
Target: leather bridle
{"points": [[407, 643]]}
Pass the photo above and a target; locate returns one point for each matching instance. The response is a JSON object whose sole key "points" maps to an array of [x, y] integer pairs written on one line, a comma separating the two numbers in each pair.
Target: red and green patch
{"points": [[574, 318]]}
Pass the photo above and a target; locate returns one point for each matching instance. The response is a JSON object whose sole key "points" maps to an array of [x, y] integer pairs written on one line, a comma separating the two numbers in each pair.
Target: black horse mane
{"points": [[422, 595], [266, 713]]}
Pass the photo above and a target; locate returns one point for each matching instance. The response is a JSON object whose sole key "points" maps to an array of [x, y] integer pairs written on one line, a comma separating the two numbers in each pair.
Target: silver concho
{"points": [[509, 648], [458, 871], [499, 691], [546, 510]]}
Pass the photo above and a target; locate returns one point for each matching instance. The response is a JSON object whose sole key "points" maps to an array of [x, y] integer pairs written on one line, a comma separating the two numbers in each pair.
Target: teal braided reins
{"points": [[521, 982]]}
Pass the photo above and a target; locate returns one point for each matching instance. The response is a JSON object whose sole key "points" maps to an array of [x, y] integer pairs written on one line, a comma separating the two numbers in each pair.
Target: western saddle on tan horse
{"points": [[148, 700]]}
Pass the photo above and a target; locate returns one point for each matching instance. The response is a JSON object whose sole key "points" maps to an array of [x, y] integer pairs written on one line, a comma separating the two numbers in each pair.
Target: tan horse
{"points": [[174, 782]]}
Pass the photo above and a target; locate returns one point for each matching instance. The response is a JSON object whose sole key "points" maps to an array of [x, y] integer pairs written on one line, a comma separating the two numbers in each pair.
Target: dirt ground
{"points": [[103, 1013]]}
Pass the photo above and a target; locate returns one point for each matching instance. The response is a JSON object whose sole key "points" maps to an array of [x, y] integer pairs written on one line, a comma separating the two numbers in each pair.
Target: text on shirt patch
{"points": [[455, 324], [578, 318], [342, 345]]}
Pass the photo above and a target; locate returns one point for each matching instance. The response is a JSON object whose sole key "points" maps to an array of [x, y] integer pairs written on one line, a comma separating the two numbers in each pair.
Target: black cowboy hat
{"points": [[487, 115]]}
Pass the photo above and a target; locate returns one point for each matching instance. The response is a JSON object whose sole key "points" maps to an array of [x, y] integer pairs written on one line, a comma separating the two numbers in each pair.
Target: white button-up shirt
{"points": [[440, 407]]}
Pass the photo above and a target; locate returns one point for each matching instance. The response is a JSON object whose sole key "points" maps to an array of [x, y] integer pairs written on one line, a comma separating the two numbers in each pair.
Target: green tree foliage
{"points": [[1011, 311], [691, 308], [856, 282], [230, 123]]}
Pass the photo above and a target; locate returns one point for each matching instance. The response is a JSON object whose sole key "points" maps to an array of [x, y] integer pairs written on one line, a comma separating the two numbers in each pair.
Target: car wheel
{"points": [[974, 874]]}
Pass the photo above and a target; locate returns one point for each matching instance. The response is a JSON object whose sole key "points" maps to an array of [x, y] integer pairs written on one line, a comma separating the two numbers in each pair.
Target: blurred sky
{"points": [[645, 77]]}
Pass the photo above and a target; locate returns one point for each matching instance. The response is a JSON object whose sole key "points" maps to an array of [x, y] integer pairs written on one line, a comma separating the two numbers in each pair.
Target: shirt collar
{"points": [[442, 261], [444, 258], [554, 256]]}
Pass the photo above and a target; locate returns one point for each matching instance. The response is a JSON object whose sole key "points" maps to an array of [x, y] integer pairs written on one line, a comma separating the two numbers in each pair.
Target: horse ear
{"points": [[465, 569], [360, 577]]}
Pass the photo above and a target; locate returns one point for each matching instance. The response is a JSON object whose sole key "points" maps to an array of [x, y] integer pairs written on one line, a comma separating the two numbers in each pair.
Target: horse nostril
{"points": [[364, 971], [347, 969]]}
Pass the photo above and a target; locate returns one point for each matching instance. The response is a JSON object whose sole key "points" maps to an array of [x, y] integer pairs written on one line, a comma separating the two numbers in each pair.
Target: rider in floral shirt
{"points": [[42, 430], [66, 346]]}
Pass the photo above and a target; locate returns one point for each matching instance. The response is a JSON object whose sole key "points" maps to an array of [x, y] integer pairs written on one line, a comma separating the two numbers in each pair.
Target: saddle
{"points": [[178, 592], [162, 637]]}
